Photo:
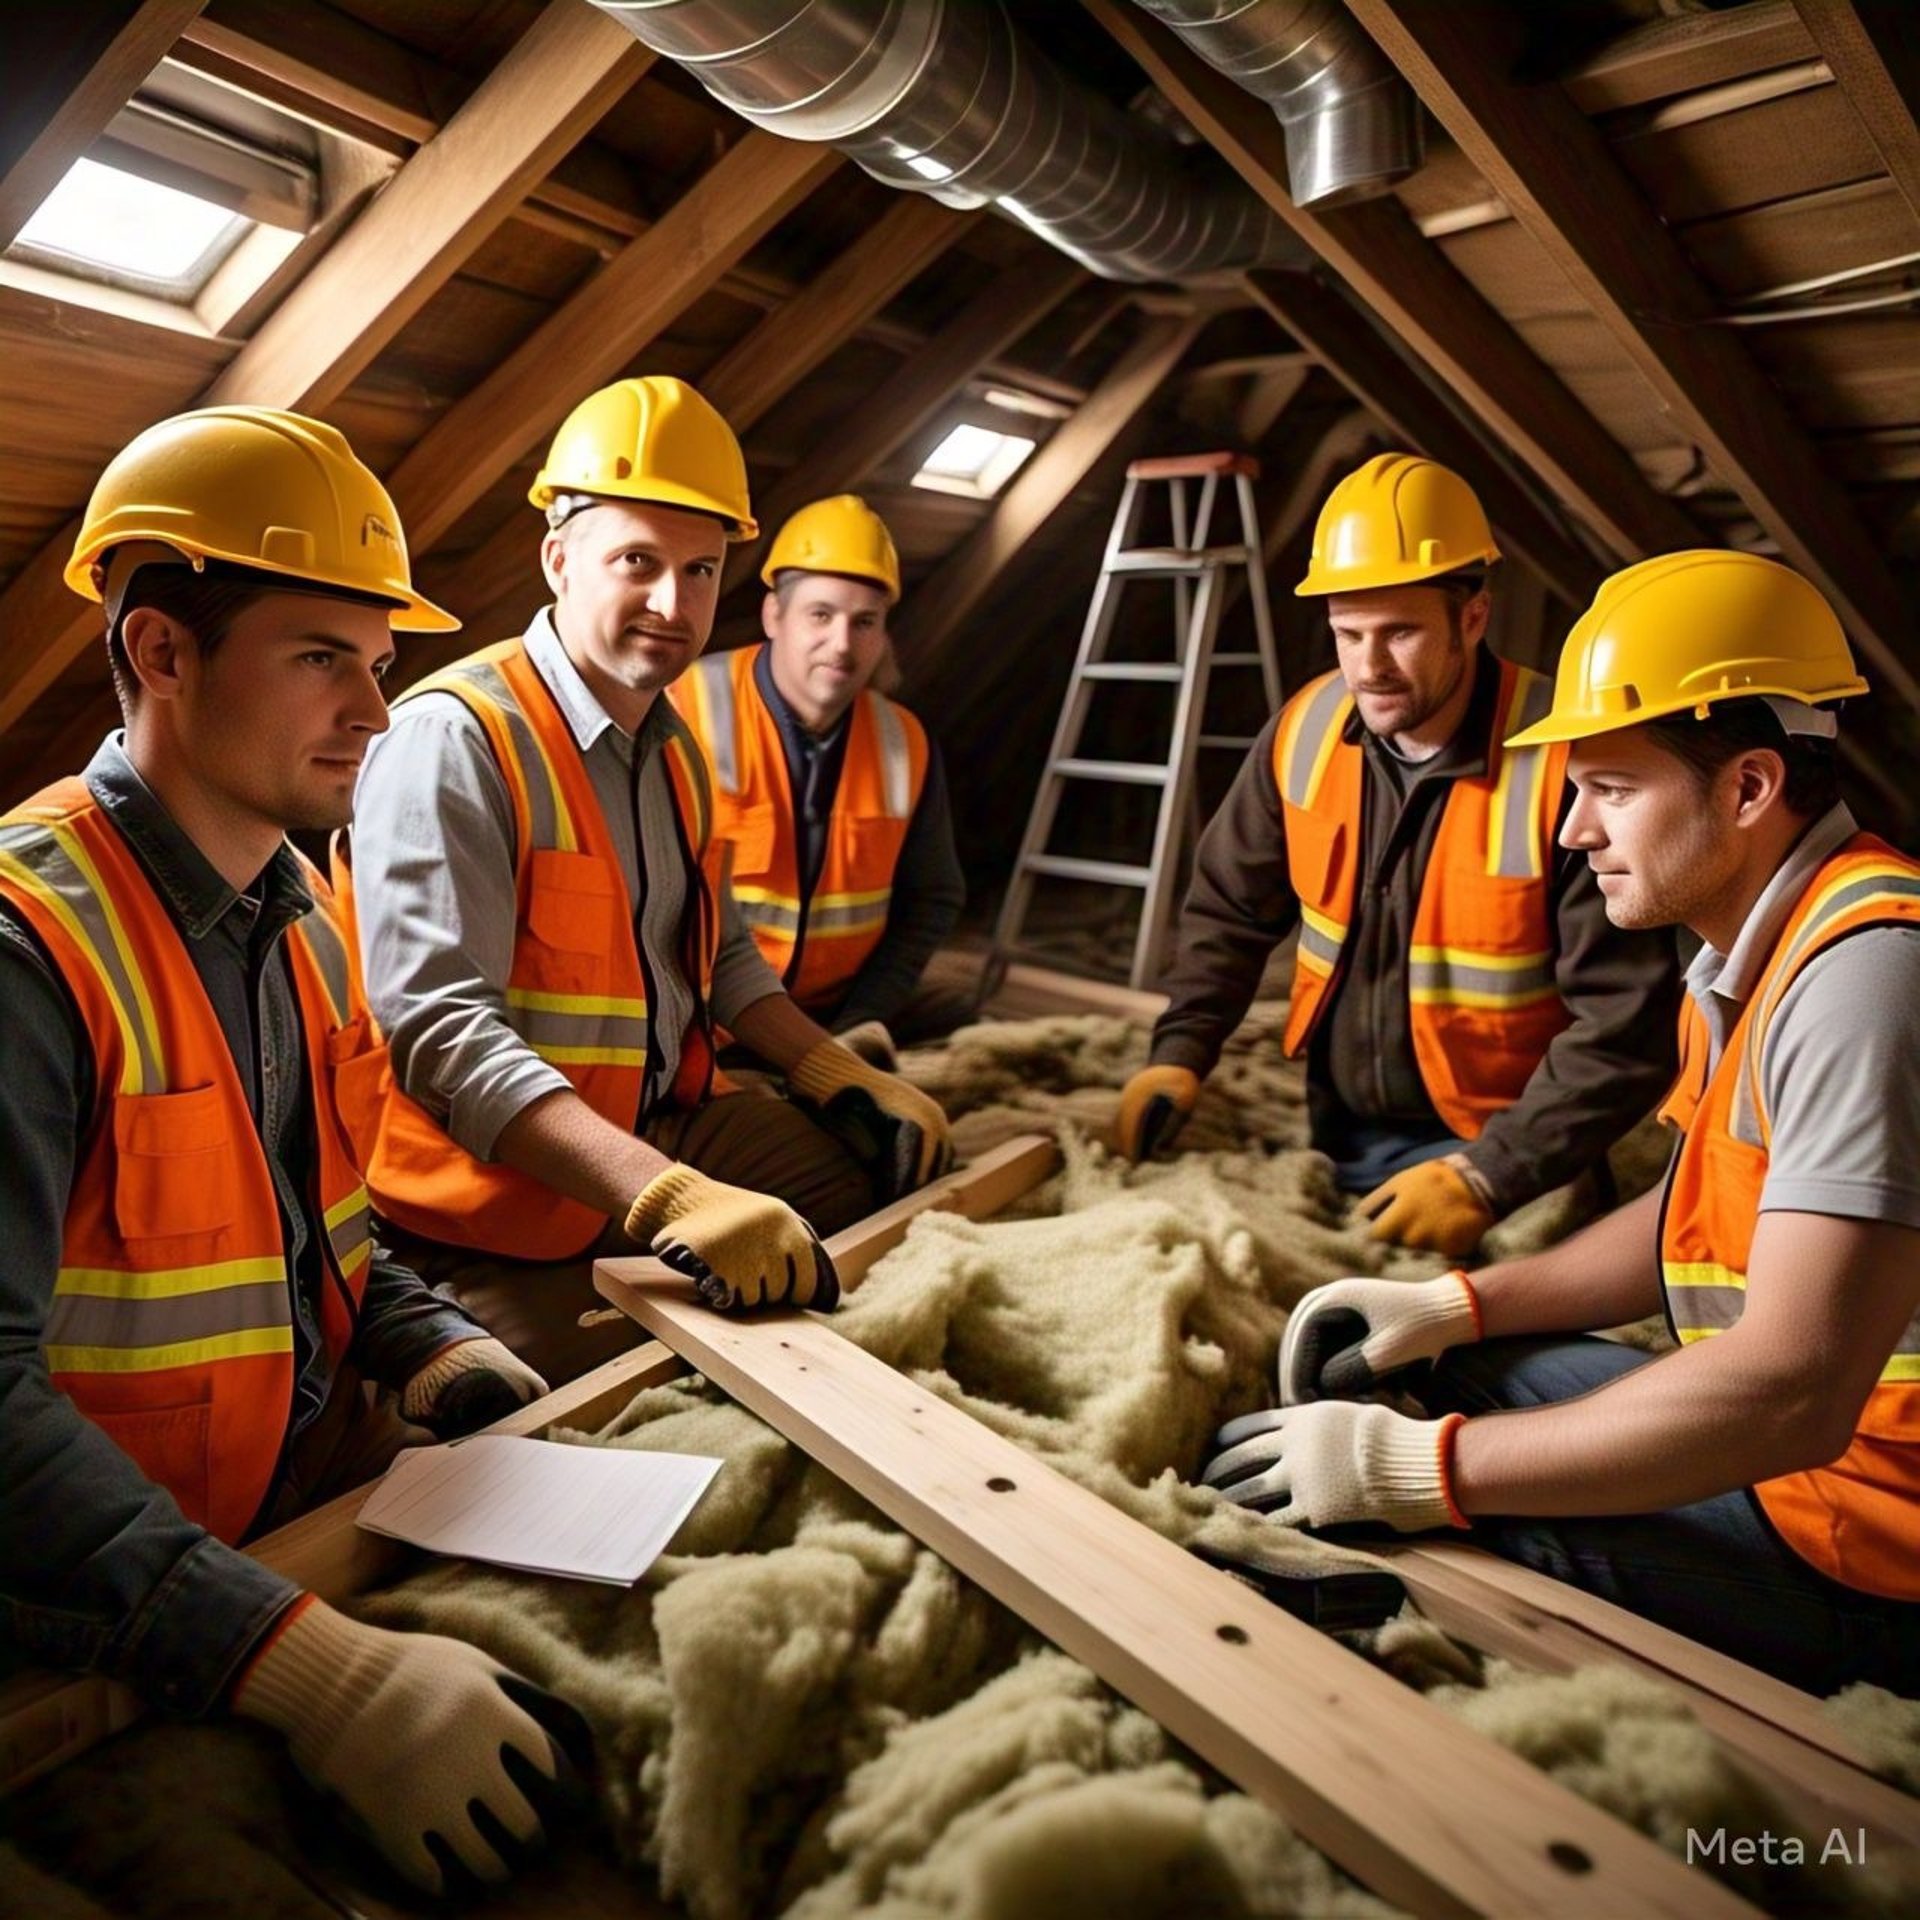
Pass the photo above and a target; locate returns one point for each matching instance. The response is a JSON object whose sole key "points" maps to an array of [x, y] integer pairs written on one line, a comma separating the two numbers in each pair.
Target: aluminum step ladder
{"points": [[1201, 575]]}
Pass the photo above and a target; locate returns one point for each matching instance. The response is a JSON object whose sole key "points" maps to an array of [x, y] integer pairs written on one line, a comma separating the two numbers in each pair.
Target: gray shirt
{"points": [[433, 868], [1837, 1066]]}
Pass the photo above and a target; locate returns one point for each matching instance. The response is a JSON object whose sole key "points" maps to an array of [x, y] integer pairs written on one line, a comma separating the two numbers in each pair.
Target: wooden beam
{"points": [[942, 604], [70, 69], [595, 335], [1410, 285], [1550, 165], [1687, 53], [559, 78], [1344, 342], [791, 341], [1873, 49]]}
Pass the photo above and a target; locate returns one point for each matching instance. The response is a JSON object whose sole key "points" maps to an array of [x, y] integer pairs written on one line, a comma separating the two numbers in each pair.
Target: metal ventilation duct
{"points": [[950, 98], [1353, 125]]}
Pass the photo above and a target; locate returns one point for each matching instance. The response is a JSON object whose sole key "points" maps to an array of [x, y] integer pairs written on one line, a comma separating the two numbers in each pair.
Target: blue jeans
{"points": [[1715, 1571]]}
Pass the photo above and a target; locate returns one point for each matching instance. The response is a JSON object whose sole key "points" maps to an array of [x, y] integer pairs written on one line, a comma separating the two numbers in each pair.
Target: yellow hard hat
{"points": [[1394, 522], [651, 438], [1680, 632], [264, 489], [840, 535]]}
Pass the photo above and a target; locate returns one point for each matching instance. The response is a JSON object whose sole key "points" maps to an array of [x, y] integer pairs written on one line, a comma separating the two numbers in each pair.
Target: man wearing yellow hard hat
{"points": [[550, 940], [191, 1291], [1475, 1030], [830, 794], [1758, 1486]]}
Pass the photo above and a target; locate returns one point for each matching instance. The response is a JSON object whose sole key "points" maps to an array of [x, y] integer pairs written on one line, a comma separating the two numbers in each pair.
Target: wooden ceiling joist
{"points": [[944, 603], [1433, 308], [70, 69], [569, 67], [1689, 52], [594, 336], [1873, 50], [1342, 341], [1552, 167]]}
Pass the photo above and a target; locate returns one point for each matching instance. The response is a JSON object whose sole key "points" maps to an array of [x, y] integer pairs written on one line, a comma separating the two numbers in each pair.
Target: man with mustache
{"points": [[1475, 1031], [1757, 1487], [191, 1293], [550, 940]]}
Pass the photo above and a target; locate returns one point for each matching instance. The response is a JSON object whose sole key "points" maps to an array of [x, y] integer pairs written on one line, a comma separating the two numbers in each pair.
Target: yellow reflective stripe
{"points": [[1472, 957], [1702, 1273], [180, 1353], [355, 1258], [1514, 848], [507, 711], [116, 1283], [766, 897], [592, 1056], [1478, 998], [536, 1001], [873, 897], [70, 845], [693, 771], [1901, 1368], [346, 1208]]}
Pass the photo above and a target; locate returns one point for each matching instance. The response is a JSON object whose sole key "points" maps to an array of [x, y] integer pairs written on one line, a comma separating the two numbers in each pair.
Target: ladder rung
{"points": [[1130, 670], [1240, 742], [1174, 561], [1064, 867], [1238, 660], [1134, 773]]}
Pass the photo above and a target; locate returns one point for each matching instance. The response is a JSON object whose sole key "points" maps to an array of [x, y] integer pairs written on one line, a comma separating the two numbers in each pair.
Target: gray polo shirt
{"points": [[1837, 1068], [433, 870]]}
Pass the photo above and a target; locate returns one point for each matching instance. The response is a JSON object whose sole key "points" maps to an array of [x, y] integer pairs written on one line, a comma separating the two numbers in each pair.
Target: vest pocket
{"points": [[172, 1170], [750, 832], [572, 904], [171, 1446], [1314, 848], [362, 1069]]}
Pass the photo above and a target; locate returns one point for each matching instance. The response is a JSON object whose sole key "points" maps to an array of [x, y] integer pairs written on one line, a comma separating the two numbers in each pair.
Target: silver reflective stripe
{"points": [[536, 776], [352, 1231], [38, 852], [775, 915], [551, 1032], [329, 953], [163, 1320], [1448, 975], [1322, 946], [1520, 855], [851, 917], [1744, 1118], [1323, 712], [896, 757], [723, 746], [1705, 1309]]}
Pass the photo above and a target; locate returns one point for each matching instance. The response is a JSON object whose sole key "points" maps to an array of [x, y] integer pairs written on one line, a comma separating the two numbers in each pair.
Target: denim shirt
{"points": [[99, 1569]]}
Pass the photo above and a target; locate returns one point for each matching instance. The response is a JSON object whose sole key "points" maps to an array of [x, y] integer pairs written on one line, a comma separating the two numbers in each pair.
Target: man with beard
{"points": [[191, 1292], [1475, 1030], [550, 940]]}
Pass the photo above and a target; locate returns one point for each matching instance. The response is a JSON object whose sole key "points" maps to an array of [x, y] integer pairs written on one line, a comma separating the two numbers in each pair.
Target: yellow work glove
{"points": [[1154, 1108], [448, 1760], [469, 1386], [1431, 1205], [739, 1248], [893, 1129], [873, 1043]]}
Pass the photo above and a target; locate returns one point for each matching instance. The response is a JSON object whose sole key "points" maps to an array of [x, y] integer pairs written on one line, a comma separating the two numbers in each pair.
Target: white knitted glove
{"points": [[1345, 1337], [1325, 1465], [433, 1745], [493, 1381]]}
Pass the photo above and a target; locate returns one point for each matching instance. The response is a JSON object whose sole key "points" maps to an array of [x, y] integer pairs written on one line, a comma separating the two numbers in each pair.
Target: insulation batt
{"points": [[803, 1713]]}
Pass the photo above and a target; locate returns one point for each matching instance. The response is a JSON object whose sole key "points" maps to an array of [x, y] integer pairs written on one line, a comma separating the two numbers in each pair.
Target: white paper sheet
{"points": [[589, 1513]]}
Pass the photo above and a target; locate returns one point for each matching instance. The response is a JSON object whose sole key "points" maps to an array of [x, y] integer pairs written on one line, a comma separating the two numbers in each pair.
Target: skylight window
{"points": [[976, 461], [135, 232]]}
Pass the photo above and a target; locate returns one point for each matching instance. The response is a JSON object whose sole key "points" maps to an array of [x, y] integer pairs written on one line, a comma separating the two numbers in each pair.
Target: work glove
{"points": [[1344, 1338], [1432, 1205], [739, 1248], [450, 1762], [873, 1043], [469, 1386], [1154, 1108], [893, 1129], [1339, 1461]]}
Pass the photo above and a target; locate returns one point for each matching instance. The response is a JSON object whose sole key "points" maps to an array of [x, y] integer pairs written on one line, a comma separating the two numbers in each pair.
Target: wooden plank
{"points": [[1683, 55], [789, 343], [937, 615], [1410, 286], [70, 69], [595, 335], [1742, 254], [1405, 1797], [1345, 343], [1555, 172], [1873, 48], [562, 75]]}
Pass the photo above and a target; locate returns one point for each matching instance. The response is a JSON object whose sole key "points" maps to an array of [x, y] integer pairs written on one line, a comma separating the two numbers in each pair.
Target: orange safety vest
{"points": [[816, 942], [1858, 1518], [576, 990], [171, 1325], [1481, 980]]}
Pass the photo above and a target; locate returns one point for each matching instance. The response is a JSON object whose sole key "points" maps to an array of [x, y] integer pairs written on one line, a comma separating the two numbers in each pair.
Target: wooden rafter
{"points": [[70, 69], [592, 337], [942, 604], [1348, 347], [1688, 52], [1428, 303], [1551, 166], [569, 67], [1873, 49]]}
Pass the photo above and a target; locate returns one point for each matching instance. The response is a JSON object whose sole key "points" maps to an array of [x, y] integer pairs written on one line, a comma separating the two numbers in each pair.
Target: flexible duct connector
{"points": [[1353, 125], [950, 98]]}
